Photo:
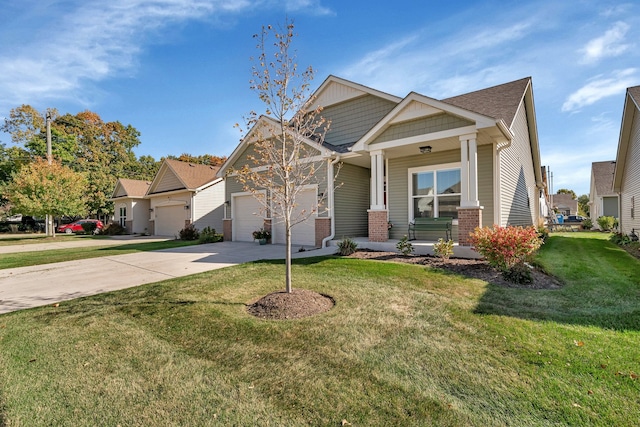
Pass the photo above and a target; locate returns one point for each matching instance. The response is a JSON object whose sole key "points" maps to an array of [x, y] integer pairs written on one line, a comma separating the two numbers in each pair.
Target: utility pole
{"points": [[49, 223]]}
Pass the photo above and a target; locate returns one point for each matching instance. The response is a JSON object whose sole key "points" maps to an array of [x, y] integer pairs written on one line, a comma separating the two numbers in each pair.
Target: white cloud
{"points": [[599, 88], [610, 44], [312, 6]]}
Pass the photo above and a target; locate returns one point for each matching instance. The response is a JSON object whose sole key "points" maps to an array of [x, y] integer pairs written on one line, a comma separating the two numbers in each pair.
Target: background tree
{"points": [[286, 140], [205, 159], [583, 205], [102, 151], [567, 191], [39, 189]]}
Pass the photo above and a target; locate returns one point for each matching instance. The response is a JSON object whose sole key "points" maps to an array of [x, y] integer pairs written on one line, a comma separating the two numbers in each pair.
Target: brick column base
{"points": [[323, 229], [378, 229], [226, 229], [468, 220]]}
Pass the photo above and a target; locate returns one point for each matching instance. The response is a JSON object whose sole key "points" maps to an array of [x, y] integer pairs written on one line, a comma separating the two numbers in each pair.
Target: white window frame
{"points": [[435, 169]]}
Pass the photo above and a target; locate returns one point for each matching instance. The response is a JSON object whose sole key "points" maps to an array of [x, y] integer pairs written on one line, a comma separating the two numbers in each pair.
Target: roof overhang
{"points": [[631, 108]]}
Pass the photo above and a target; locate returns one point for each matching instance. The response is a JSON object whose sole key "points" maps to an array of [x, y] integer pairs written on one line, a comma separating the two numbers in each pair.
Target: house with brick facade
{"points": [[473, 158], [626, 178]]}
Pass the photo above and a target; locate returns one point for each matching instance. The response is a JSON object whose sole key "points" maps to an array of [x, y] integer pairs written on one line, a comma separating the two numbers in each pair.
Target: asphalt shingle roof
{"points": [[603, 176], [193, 175], [499, 102], [134, 187]]}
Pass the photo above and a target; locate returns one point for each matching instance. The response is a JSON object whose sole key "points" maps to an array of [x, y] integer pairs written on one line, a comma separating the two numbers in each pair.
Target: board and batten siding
{"points": [[208, 207], [351, 119], [431, 124], [630, 188], [352, 201], [518, 191]]}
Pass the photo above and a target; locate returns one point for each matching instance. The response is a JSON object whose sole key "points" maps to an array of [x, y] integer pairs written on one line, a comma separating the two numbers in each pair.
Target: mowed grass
{"points": [[25, 259], [404, 345], [26, 239]]}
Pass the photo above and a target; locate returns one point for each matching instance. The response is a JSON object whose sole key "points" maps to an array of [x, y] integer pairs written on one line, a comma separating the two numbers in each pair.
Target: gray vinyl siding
{"points": [[352, 202], [168, 182], [630, 188], [399, 192], [610, 206], [436, 123], [232, 186], [518, 192], [350, 120]]}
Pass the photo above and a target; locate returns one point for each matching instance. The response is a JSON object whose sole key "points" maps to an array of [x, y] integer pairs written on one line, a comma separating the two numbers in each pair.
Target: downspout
{"points": [[330, 189]]}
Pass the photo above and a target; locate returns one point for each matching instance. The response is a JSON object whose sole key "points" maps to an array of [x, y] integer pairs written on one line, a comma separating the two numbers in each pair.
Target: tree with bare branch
{"points": [[287, 155]]}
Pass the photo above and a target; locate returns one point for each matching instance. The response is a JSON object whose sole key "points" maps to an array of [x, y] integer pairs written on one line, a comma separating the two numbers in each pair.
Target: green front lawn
{"points": [[404, 345], [25, 259]]}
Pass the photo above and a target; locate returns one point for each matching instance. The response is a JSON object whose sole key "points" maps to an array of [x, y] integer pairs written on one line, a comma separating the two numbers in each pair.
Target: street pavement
{"points": [[27, 287]]}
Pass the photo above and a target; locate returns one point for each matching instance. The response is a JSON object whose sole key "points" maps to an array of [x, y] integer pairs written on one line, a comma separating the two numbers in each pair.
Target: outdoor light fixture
{"points": [[425, 149], [186, 208], [151, 210]]}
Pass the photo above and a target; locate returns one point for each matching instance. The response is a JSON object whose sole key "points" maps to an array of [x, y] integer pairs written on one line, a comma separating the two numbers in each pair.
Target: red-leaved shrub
{"points": [[506, 247]]}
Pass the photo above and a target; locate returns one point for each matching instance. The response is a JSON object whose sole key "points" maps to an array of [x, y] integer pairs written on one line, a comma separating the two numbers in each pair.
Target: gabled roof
{"points": [[345, 90], [264, 122], [564, 200], [130, 188], [191, 176], [500, 102], [602, 173], [631, 108]]}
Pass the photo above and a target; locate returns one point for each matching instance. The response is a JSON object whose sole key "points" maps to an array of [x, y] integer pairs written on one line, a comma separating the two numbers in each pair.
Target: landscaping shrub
{"points": [[89, 227], [507, 248], [607, 223], [587, 224], [209, 235], [404, 246], [189, 233], [443, 249], [113, 229], [347, 246], [620, 239]]}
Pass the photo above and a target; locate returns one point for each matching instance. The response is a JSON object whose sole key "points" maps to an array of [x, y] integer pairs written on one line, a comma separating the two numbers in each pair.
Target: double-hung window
{"points": [[434, 191], [123, 216]]}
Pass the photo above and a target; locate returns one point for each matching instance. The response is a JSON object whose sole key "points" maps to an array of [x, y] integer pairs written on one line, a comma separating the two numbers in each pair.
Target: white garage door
{"points": [[169, 220], [244, 220], [303, 233]]}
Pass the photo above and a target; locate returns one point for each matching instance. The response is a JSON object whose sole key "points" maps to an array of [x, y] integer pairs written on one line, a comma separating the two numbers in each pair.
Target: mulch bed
{"points": [[474, 268], [304, 303]]}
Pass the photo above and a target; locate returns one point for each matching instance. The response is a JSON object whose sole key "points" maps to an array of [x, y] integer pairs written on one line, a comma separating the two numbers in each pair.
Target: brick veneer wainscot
{"points": [[323, 229], [378, 228], [468, 220]]}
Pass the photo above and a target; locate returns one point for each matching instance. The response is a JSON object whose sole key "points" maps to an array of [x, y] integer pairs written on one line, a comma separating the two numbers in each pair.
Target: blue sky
{"points": [[179, 70]]}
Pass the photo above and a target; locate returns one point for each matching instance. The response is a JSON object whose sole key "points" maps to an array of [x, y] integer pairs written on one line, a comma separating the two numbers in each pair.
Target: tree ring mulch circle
{"points": [[298, 304]]}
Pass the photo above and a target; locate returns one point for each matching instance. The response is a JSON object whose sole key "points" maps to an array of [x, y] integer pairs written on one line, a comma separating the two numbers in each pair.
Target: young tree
{"points": [[288, 139], [41, 189], [583, 205]]}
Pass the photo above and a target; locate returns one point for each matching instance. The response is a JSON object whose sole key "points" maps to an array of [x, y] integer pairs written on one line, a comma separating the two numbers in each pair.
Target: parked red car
{"points": [[76, 227]]}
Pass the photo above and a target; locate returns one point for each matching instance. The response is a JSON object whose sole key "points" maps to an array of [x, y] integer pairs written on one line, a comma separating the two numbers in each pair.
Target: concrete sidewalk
{"points": [[27, 287]]}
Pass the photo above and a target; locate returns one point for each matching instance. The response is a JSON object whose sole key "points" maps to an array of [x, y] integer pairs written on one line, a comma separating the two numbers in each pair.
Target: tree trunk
{"points": [[288, 256]]}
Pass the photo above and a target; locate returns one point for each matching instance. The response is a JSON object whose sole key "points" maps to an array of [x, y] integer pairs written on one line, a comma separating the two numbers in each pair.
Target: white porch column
{"points": [[377, 180], [469, 171]]}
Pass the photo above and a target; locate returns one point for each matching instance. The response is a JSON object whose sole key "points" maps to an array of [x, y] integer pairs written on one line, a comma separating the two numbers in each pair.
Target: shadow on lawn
{"points": [[602, 287]]}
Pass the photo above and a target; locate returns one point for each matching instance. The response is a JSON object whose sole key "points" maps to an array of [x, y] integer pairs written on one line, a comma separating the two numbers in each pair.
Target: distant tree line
{"points": [[98, 152]]}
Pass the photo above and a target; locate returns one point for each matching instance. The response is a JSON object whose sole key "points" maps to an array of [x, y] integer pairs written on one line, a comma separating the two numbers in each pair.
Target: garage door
{"points": [[169, 220], [244, 220], [303, 233]]}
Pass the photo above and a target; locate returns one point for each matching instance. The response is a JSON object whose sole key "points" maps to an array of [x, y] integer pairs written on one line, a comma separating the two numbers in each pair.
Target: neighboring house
{"points": [[185, 193], [603, 201], [131, 207], [564, 204], [473, 157], [626, 178]]}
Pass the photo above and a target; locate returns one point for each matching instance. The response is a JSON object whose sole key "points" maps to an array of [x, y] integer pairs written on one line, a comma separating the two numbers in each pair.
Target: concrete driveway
{"points": [[27, 287]]}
